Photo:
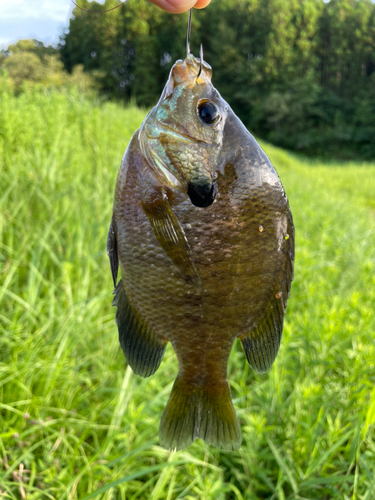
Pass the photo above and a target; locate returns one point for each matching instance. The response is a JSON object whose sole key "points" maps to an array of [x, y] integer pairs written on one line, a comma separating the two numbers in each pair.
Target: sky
{"points": [[40, 19]]}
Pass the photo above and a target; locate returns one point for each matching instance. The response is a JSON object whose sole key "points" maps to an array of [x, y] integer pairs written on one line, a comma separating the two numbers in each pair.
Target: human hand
{"points": [[179, 6]]}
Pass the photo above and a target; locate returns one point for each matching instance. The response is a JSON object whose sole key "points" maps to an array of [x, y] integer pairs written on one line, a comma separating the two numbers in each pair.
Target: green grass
{"points": [[76, 423]]}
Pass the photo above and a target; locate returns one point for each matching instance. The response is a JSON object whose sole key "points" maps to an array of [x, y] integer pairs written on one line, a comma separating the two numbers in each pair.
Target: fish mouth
{"points": [[202, 195]]}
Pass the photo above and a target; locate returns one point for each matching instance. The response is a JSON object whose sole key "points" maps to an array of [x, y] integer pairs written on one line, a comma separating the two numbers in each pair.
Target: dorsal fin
{"points": [[261, 344]]}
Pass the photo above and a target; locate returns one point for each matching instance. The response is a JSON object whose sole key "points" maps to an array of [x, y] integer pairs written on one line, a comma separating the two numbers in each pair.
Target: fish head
{"points": [[182, 136]]}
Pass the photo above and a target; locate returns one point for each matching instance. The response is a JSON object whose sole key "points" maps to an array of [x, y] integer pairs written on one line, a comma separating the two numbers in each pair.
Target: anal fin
{"points": [[143, 350], [112, 252]]}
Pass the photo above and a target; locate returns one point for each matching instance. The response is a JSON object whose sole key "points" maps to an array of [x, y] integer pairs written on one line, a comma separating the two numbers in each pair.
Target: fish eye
{"points": [[208, 112]]}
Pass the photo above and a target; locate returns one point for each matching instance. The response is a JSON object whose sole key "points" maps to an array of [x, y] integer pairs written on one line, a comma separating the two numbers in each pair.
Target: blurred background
{"points": [[75, 422], [300, 74]]}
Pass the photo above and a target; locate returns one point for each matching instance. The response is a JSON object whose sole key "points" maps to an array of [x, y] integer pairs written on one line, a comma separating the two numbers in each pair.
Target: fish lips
{"points": [[202, 195]]}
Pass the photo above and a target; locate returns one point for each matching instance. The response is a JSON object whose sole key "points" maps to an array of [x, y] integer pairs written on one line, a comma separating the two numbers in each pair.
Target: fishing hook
{"points": [[200, 61], [188, 45]]}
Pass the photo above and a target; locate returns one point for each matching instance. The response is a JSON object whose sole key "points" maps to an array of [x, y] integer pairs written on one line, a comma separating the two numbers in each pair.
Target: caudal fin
{"points": [[196, 411]]}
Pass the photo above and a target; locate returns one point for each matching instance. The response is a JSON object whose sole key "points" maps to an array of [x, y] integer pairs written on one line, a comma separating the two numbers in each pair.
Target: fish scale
{"points": [[204, 238]]}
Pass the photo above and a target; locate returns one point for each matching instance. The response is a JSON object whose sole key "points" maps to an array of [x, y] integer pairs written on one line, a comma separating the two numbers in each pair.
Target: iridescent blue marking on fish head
{"points": [[182, 136]]}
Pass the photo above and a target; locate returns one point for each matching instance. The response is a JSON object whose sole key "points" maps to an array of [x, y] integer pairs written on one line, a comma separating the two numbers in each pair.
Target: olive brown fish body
{"points": [[204, 238]]}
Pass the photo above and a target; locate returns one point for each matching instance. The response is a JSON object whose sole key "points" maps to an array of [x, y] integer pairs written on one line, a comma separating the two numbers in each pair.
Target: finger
{"points": [[201, 4], [180, 6]]}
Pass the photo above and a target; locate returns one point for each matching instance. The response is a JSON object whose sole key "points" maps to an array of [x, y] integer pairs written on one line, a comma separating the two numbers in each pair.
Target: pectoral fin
{"points": [[171, 236]]}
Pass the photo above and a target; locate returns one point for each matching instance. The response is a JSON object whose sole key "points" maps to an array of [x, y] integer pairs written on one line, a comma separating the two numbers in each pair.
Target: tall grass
{"points": [[76, 423]]}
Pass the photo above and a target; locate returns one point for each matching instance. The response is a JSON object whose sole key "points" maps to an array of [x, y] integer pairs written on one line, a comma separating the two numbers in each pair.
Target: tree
{"points": [[29, 61], [297, 72]]}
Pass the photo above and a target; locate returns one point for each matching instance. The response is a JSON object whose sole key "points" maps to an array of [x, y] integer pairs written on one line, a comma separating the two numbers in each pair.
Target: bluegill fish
{"points": [[204, 238]]}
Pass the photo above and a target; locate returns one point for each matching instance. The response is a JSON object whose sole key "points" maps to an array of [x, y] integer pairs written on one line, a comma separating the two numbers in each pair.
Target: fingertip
{"points": [[201, 4], [174, 6], [180, 6]]}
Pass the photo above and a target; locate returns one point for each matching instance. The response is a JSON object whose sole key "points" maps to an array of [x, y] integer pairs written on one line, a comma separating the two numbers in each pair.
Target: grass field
{"points": [[76, 423]]}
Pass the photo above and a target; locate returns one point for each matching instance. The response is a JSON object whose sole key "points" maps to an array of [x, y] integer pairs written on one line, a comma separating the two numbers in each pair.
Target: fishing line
{"points": [[188, 34], [99, 11]]}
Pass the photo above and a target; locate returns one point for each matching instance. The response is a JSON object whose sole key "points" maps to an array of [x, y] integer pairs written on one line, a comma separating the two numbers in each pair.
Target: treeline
{"points": [[30, 64], [299, 73]]}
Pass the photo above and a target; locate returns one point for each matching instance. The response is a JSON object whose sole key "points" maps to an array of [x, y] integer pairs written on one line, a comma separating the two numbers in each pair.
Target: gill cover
{"points": [[182, 136]]}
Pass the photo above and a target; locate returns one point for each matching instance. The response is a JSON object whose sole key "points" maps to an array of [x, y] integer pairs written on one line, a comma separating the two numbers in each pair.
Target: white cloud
{"points": [[34, 9], [40, 19]]}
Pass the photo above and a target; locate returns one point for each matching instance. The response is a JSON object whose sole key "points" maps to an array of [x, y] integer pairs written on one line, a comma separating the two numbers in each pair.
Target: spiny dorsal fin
{"points": [[262, 343], [143, 350]]}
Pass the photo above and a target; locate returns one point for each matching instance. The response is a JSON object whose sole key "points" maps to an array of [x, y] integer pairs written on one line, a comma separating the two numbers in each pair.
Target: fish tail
{"points": [[200, 411]]}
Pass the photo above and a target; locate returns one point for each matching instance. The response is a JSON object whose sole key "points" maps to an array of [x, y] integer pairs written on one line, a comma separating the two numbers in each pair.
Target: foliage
{"points": [[298, 73], [30, 63], [125, 45], [75, 423]]}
